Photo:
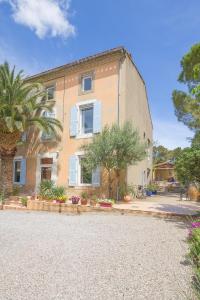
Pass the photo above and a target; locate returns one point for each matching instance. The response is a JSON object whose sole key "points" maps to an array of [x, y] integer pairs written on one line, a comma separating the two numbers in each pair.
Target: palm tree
{"points": [[22, 107]]}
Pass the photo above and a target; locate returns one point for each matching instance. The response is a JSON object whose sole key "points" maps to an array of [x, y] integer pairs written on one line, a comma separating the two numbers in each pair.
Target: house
{"points": [[89, 93], [164, 172]]}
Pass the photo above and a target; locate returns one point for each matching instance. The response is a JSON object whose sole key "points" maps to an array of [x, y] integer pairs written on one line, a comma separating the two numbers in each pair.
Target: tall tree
{"points": [[187, 166], [187, 105], [114, 149], [22, 107]]}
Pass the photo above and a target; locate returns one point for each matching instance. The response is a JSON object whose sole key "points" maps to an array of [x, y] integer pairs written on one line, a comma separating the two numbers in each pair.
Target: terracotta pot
{"points": [[104, 204], [127, 198], [83, 201]]}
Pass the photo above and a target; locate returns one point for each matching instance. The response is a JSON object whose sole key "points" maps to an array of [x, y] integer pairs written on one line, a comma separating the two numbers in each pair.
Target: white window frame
{"points": [[79, 106], [17, 158], [54, 167], [50, 87], [83, 83], [80, 154]]}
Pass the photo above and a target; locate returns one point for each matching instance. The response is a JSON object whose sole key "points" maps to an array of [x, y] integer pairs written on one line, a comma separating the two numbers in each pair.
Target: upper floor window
{"points": [[86, 83], [50, 93], [86, 119], [45, 135]]}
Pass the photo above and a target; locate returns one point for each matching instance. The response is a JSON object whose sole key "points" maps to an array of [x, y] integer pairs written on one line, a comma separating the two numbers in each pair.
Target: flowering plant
{"points": [[75, 199], [106, 201]]}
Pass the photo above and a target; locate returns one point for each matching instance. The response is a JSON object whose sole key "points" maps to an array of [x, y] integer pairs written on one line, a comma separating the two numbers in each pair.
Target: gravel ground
{"points": [[92, 256]]}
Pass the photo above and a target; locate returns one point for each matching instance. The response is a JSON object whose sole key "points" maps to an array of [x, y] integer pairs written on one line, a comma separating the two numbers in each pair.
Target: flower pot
{"points": [[74, 201], [148, 193], [154, 192], [83, 201], [127, 198], [105, 204]]}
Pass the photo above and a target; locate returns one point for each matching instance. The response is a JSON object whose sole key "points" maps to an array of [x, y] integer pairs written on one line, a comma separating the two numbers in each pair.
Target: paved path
{"points": [[162, 204], [46, 256]]}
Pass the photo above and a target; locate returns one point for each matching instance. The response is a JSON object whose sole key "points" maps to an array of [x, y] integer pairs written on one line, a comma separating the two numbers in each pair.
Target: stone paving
{"points": [[165, 204]]}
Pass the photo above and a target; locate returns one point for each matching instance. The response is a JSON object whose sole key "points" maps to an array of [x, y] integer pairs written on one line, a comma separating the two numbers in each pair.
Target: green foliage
{"points": [[46, 189], [194, 255], [114, 149], [24, 201], [49, 191], [187, 165], [16, 190], [22, 104], [125, 189], [84, 195], [2, 198], [187, 105], [162, 154], [58, 192]]}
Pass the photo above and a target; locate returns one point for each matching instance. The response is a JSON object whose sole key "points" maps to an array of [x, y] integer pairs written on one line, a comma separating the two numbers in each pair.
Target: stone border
{"points": [[38, 205]]}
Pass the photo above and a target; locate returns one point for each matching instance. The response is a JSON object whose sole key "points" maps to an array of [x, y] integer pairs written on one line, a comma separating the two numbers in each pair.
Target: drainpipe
{"points": [[118, 111]]}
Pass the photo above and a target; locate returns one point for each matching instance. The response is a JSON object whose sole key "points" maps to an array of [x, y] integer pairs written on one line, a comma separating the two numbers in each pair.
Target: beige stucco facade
{"points": [[118, 87]]}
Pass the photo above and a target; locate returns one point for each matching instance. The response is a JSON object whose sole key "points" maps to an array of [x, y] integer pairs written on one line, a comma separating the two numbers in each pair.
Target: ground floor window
{"points": [[17, 171], [46, 173], [85, 175], [46, 168]]}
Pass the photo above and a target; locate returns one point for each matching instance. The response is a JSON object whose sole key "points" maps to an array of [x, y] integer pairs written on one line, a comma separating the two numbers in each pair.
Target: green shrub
{"points": [[16, 190], [2, 198], [58, 191], [46, 189], [24, 201], [49, 191], [194, 255], [84, 195]]}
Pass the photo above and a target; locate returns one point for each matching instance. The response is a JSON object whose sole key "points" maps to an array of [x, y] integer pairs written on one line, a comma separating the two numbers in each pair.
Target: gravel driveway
{"points": [[91, 256]]}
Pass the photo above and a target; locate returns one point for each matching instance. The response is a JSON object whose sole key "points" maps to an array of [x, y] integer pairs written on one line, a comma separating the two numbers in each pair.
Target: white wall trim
{"points": [[54, 178]]}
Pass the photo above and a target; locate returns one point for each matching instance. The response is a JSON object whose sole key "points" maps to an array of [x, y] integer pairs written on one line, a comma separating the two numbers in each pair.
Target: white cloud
{"points": [[45, 17], [171, 134]]}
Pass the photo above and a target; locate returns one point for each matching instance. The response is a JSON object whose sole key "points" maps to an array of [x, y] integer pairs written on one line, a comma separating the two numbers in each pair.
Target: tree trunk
{"points": [[109, 185], [118, 179], [6, 171]]}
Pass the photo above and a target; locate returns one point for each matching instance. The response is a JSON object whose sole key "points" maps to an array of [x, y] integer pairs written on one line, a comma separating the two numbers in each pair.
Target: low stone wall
{"points": [[57, 207]]}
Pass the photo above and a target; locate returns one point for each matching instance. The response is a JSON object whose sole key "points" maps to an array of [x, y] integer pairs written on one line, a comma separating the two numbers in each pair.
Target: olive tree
{"points": [[114, 149]]}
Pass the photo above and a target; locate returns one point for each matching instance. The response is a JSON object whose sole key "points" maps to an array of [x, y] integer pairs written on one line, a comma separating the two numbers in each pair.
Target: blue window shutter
{"points": [[23, 172], [97, 117], [96, 177], [73, 170], [74, 121]]}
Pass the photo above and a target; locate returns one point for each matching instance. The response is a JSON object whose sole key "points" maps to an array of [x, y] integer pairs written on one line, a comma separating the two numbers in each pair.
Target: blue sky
{"points": [[41, 34]]}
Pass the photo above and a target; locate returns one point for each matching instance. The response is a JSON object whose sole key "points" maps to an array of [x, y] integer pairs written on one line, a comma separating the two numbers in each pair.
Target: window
{"points": [[46, 173], [45, 135], [46, 168], [86, 119], [86, 83], [85, 175], [50, 93], [17, 171]]}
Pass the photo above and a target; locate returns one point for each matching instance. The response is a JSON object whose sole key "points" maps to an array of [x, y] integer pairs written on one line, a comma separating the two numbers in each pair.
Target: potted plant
{"points": [[106, 202], [58, 193], [93, 200], [75, 199], [151, 189], [127, 192], [84, 197]]}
